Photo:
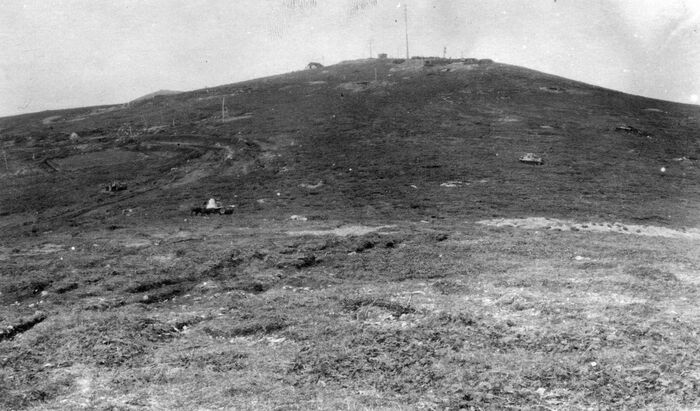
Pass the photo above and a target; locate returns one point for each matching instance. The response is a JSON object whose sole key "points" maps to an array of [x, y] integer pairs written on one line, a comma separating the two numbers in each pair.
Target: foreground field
{"points": [[214, 313]]}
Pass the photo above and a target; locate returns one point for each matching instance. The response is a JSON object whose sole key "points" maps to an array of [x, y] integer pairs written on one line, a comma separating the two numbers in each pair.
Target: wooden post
{"points": [[223, 105], [405, 17]]}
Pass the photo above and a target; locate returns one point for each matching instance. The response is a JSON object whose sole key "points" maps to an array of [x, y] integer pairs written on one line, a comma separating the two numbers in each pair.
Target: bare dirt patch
{"points": [[237, 118], [50, 120], [543, 223], [351, 230]]}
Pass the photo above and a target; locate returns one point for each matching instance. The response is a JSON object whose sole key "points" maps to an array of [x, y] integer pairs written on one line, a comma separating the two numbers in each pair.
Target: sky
{"points": [[73, 53]]}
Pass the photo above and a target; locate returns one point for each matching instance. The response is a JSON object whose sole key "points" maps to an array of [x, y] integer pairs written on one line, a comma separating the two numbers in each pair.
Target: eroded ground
{"points": [[213, 313]]}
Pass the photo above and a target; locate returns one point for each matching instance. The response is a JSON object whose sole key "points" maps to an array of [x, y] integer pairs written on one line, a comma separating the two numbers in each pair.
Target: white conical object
{"points": [[211, 203]]}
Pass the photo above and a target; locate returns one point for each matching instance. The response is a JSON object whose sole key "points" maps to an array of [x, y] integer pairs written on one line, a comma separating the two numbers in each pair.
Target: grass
{"points": [[126, 301], [548, 331]]}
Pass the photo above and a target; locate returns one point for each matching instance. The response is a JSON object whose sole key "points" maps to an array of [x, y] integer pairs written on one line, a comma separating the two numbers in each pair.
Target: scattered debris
{"points": [[632, 130], [212, 207], [452, 184], [440, 237], [311, 186], [199, 211], [115, 186], [531, 158], [50, 164], [626, 128], [556, 90], [205, 211], [156, 129]]}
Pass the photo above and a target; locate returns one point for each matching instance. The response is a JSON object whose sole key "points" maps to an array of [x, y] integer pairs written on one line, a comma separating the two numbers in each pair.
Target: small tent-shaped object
{"points": [[211, 204], [531, 158]]}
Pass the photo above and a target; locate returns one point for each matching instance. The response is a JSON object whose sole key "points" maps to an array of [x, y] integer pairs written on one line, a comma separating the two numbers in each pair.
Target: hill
{"points": [[460, 122], [158, 93], [386, 246]]}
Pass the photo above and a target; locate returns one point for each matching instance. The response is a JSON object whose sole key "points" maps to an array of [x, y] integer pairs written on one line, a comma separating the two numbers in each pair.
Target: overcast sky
{"points": [[71, 53]]}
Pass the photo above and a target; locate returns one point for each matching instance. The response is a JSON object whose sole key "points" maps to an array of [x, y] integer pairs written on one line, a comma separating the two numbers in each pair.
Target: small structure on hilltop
{"points": [[313, 66], [382, 56]]}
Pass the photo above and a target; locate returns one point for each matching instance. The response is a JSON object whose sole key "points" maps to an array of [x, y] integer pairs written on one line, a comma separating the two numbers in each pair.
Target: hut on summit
{"points": [[313, 65]]}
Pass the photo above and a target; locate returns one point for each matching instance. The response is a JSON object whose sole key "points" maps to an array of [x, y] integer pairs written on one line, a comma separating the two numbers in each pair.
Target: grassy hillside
{"points": [[371, 141], [386, 248]]}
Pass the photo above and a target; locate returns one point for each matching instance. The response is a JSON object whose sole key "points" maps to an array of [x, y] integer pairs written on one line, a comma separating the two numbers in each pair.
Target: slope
{"points": [[386, 249], [372, 141]]}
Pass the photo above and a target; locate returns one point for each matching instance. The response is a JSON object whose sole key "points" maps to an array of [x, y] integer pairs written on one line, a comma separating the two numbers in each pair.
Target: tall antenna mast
{"points": [[405, 19]]}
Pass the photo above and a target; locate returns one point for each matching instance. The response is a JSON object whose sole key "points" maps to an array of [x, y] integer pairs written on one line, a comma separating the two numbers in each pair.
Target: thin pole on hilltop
{"points": [[405, 19]]}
